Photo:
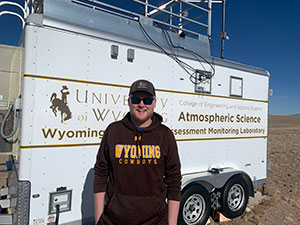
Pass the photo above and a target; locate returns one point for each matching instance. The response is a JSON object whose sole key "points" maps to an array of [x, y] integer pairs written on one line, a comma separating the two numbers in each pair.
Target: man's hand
{"points": [[99, 205], [173, 209]]}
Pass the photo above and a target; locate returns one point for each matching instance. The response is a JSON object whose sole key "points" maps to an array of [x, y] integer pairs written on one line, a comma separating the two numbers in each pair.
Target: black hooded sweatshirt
{"points": [[138, 169]]}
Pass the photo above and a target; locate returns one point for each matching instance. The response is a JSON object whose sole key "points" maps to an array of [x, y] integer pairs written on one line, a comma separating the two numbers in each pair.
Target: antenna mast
{"points": [[223, 35]]}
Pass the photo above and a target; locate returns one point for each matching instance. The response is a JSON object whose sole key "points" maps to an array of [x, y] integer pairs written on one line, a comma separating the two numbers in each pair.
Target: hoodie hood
{"points": [[139, 133]]}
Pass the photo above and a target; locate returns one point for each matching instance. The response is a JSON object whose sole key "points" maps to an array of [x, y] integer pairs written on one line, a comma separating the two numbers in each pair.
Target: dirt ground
{"points": [[283, 179]]}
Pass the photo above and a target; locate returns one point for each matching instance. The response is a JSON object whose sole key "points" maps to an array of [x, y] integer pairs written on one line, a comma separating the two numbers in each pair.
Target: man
{"points": [[138, 167]]}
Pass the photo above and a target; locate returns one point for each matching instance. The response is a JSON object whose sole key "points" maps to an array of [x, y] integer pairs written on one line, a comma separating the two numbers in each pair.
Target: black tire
{"points": [[195, 206], [234, 197]]}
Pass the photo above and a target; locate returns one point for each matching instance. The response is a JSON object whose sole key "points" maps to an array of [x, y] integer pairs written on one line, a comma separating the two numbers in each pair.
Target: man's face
{"points": [[141, 113]]}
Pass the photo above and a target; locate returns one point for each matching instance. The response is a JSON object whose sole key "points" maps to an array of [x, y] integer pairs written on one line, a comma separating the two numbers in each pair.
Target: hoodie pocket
{"points": [[134, 210]]}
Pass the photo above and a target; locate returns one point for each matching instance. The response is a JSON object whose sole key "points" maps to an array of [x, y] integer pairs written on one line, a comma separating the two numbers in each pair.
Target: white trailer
{"points": [[80, 58]]}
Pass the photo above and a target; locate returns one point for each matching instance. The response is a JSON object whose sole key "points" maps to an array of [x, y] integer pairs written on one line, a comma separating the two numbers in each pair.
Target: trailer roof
{"points": [[106, 21]]}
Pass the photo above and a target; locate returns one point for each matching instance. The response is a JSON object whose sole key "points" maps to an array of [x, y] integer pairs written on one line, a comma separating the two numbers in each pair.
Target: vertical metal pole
{"points": [[25, 8], [32, 8], [180, 19], [146, 8], [223, 34], [209, 19], [171, 17]]}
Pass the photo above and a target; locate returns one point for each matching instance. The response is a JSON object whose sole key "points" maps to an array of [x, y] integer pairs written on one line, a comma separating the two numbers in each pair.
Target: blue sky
{"points": [[262, 33]]}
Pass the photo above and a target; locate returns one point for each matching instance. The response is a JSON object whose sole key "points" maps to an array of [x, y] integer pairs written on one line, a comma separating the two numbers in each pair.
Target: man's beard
{"points": [[144, 119]]}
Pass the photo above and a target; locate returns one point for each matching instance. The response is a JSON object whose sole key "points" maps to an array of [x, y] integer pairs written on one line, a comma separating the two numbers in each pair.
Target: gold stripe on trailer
{"points": [[220, 138], [98, 144], [58, 145], [126, 86]]}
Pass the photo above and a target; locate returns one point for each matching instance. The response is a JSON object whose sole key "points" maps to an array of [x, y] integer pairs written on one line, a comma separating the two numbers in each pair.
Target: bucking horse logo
{"points": [[61, 104]]}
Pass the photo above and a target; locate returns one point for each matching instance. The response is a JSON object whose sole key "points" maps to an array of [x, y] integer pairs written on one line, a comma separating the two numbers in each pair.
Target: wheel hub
{"points": [[191, 207]]}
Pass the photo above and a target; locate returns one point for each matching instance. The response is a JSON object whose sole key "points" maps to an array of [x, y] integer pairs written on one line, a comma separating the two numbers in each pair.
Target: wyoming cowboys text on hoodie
{"points": [[138, 170]]}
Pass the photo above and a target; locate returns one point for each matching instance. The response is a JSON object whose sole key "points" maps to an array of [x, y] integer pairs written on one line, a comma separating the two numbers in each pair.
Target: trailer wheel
{"points": [[195, 206], [234, 197]]}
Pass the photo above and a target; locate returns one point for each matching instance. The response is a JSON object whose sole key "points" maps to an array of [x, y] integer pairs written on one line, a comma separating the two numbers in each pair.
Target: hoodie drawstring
{"points": [[138, 143]]}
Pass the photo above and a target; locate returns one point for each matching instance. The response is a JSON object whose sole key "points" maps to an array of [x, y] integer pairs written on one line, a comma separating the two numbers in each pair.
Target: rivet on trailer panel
{"points": [[35, 195]]}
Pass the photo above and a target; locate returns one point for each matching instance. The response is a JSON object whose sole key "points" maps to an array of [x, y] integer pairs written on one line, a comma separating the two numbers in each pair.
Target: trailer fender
{"points": [[215, 178], [209, 187]]}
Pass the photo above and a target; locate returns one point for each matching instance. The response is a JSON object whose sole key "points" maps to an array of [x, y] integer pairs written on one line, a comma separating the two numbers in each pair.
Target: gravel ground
{"points": [[283, 179]]}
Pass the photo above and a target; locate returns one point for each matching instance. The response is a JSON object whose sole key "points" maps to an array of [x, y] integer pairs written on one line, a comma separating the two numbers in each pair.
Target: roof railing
{"points": [[15, 12], [27, 8], [185, 17], [177, 14]]}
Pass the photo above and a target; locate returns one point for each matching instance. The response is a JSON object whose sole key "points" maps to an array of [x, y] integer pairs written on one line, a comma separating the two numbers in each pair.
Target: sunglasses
{"points": [[137, 100]]}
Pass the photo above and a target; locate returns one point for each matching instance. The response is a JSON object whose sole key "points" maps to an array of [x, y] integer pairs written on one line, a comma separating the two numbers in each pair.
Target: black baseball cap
{"points": [[142, 85]]}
